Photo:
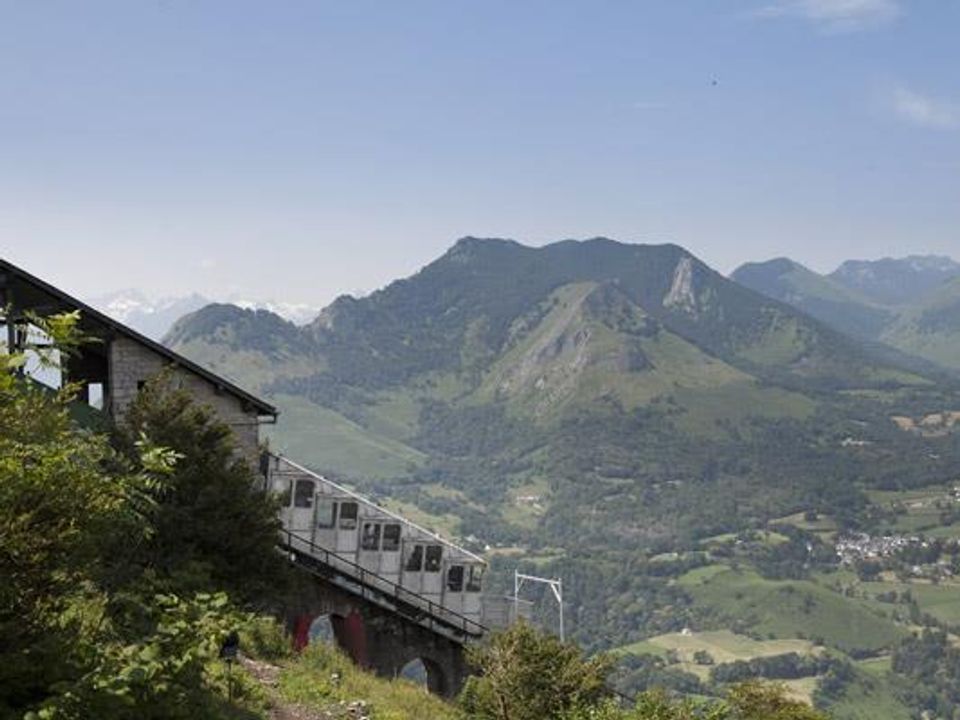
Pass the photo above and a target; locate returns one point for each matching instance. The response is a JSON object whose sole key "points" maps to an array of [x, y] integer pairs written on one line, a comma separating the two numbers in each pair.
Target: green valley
{"points": [[685, 452]]}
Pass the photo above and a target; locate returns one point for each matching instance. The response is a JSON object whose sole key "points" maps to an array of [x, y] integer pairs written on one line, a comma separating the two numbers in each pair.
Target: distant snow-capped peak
{"points": [[297, 313], [154, 317]]}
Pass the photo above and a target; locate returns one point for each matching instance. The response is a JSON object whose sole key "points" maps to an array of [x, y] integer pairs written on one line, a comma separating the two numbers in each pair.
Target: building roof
{"points": [[86, 311]]}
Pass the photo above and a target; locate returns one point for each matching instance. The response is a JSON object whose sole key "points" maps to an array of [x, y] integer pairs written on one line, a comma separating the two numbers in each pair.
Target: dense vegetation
{"points": [[684, 452], [525, 675], [111, 605], [127, 558]]}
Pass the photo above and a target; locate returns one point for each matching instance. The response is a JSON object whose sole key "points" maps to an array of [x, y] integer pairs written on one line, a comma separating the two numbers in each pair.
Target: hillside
{"points": [[911, 304], [896, 281], [821, 296], [617, 414], [499, 371]]}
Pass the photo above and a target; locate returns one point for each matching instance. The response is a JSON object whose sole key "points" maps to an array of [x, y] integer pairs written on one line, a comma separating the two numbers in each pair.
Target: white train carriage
{"points": [[358, 537]]}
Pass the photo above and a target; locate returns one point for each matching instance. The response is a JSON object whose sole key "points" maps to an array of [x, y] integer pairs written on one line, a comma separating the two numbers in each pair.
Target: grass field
{"points": [[790, 609], [942, 600], [877, 666], [918, 510], [870, 697], [767, 537], [724, 646], [824, 526], [327, 441], [325, 680]]}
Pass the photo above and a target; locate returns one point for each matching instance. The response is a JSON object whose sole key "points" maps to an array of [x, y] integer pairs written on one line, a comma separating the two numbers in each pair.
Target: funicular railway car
{"points": [[360, 539]]}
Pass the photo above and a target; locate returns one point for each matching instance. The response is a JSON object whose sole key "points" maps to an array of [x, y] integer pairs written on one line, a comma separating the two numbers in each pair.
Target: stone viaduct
{"points": [[376, 638]]}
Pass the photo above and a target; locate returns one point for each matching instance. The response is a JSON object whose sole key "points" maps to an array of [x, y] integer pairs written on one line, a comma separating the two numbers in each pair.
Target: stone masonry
{"points": [[132, 364]]}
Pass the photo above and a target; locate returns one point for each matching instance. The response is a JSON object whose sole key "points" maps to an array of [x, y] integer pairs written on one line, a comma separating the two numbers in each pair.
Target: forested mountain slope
{"points": [[912, 304], [619, 414]]}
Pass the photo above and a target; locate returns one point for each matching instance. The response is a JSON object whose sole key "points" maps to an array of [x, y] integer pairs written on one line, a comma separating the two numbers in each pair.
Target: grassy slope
{"points": [[723, 645], [324, 679], [870, 697], [791, 609], [941, 346], [250, 369], [329, 442], [706, 388], [844, 623]]}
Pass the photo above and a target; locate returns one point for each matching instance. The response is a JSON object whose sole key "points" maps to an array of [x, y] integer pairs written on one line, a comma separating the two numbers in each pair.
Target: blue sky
{"points": [[297, 150]]}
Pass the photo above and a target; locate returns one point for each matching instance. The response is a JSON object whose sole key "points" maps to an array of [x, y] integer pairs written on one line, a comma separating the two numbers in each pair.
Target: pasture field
{"points": [[878, 666], [724, 647], [941, 600], [790, 609], [824, 526], [701, 575], [919, 511], [766, 537], [801, 688], [869, 697], [328, 442]]}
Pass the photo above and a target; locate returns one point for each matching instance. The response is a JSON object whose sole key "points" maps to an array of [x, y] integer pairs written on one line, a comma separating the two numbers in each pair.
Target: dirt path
{"points": [[267, 675]]}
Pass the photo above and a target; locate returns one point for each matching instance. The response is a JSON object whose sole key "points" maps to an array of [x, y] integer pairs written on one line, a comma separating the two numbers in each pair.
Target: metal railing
{"points": [[322, 561], [414, 606]]}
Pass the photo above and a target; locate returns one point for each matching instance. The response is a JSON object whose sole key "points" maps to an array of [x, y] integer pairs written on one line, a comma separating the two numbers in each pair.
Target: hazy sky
{"points": [[296, 150]]}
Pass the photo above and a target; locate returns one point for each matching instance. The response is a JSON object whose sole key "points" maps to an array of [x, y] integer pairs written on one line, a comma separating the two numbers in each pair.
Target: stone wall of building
{"points": [[132, 364]]}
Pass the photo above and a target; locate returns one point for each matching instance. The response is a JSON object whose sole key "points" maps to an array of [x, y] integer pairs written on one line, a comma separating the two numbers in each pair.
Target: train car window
{"points": [[303, 494], [391, 537], [414, 559], [348, 515], [282, 488], [434, 554], [475, 578], [326, 513], [370, 537], [455, 578]]}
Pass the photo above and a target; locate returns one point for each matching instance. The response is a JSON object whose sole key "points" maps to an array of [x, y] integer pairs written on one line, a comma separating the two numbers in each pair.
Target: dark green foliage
{"points": [[643, 462], [99, 617], [214, 527], [59, 512], [240, 329], [637, 674], [526, 675], [476, 431], [788, 666], [932, 661], [460, 313], [756, 701]]}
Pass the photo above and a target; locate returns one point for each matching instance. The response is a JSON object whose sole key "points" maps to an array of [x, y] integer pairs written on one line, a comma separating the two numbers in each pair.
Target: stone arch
{"points": [[429, 672], [437, 681], [328, 627], [322, 629]]}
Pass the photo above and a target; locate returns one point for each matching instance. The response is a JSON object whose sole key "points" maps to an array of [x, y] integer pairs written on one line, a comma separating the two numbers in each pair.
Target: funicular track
{"points": [[348, 575]]}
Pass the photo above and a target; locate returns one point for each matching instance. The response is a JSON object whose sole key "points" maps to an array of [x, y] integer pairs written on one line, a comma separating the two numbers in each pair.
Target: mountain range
{"points": [[912, 303], [485, 371], [154, 318], [683, 448]]}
